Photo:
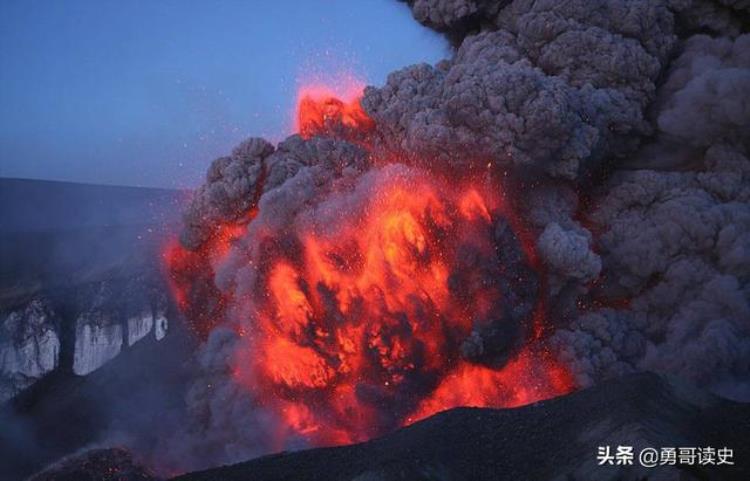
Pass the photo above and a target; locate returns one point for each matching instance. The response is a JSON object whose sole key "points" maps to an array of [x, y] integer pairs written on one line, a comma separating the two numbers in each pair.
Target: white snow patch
{"points": [[95, 345]]}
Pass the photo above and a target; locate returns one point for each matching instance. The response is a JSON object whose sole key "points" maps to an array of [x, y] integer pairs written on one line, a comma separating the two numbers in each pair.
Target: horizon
{"points": [[94, 184]]}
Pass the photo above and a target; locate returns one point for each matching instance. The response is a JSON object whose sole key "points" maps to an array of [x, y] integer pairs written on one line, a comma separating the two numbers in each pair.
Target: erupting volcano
{"points": [[526, 199], [384, 294]]}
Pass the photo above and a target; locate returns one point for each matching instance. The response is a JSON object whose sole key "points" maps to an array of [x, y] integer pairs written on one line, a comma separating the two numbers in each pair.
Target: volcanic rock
{"points": [[98, 465], [550, 440], [79, 281]]}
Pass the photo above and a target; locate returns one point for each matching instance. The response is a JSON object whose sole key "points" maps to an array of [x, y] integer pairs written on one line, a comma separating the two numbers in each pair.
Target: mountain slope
{"points": [[555, 439]]}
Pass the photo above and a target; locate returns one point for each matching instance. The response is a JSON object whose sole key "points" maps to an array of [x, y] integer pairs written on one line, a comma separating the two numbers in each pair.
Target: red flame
{"points": [[321, 110], [191, 274], [359, 330], [531, 376]]}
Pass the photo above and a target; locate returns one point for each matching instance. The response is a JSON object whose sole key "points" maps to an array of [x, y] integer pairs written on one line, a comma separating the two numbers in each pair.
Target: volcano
{"points": [[563, 200], [390, 293]]}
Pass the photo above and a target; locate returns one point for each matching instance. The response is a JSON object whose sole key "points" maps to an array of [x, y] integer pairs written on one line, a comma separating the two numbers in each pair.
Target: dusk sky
{"points": [[149, 92]]}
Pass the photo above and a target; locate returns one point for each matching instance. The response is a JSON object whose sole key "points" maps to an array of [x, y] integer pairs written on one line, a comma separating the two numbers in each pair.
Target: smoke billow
{"points": [[222, 421], [608, 145], [229, 191], [360, 288], [675, 239], [548, 86]]}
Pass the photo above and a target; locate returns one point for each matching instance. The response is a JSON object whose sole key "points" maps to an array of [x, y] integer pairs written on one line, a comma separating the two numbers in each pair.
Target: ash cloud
{"points": [[223, 422], [549, 86], [719, 17], [625, 129], [676, 239], [230, 191], [656, 276]]}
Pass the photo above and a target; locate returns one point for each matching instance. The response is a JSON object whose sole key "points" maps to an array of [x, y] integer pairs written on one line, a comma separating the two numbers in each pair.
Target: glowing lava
{"points": [[191, 277], [321, 111], [379, 303], [360, 324]]}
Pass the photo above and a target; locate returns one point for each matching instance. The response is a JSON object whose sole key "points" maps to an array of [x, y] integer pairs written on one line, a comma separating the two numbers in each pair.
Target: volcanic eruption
{"points": [[380, 296], [564, 199], [545, 209], [325, 110]]}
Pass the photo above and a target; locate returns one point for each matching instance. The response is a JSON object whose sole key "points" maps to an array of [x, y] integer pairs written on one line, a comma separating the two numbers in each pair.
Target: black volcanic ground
{"points": [[551, 440], [555, 439]]}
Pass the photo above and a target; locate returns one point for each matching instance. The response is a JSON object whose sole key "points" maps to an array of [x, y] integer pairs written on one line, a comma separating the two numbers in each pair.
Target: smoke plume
{"points": [[589, 165]]}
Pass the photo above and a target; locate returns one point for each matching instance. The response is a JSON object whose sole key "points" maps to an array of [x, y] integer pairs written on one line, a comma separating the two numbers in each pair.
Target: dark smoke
{"points": [[625, 126], [554, 87], [229, 192], [222, 423], [677, 238], [672, 241]]}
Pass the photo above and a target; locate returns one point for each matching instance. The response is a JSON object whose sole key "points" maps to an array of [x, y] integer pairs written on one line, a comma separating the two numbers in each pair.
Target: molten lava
{"points": [[360, 324], [380, 302], [321, 111]]}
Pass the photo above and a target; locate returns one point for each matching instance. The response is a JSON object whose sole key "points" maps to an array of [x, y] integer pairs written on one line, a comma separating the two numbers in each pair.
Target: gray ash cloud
{"points": [[676, 237], [549, 86], [626, 125], [656, 95]]}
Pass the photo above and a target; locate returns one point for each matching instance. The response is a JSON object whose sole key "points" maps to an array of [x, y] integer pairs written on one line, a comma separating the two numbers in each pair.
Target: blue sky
{"points": [[149, 92]]}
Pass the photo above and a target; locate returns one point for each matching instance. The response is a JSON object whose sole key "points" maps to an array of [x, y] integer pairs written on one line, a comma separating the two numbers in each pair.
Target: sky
{"points": [[147, 93]]}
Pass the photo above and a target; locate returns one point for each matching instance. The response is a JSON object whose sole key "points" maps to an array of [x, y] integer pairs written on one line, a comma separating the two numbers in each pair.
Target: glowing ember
{"points": [[529, 377]]}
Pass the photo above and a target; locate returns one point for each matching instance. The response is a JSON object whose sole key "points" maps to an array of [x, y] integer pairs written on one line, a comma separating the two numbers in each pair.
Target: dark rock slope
{"points": [[551, 440], [97, 465]]}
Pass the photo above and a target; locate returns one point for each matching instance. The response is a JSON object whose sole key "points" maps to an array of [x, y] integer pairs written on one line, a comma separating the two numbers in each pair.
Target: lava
{"points": [[532, 375], [321, 111], [362, 326], [382, 302], [191, 277]]}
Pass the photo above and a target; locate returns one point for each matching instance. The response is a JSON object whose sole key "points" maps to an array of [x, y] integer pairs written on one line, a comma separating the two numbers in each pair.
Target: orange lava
{"points": [[357, 322], [191, 277], [320, 110], [529, 377], [360, 330]]}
